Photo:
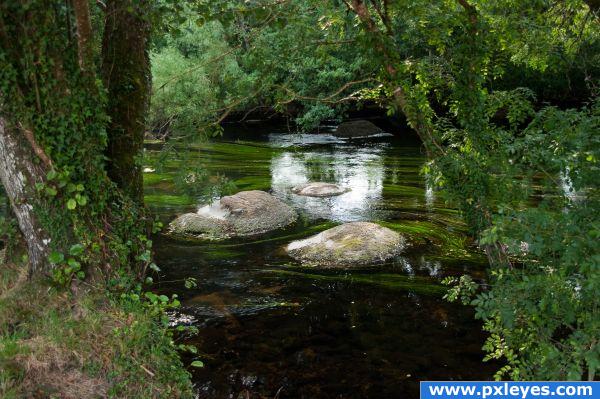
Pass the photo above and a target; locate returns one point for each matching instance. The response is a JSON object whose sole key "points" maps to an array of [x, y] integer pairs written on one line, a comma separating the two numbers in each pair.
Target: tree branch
{"points": [[383, 17], [328, 99]]}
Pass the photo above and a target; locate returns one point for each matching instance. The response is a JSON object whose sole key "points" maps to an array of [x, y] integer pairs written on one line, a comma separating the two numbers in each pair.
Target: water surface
{"points": [[269, 328]]}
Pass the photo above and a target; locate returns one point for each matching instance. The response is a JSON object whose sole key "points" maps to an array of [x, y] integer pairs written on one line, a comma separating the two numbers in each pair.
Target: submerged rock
{"points": [[360, 128], [318, 189], [349, 245], [247, 213]]}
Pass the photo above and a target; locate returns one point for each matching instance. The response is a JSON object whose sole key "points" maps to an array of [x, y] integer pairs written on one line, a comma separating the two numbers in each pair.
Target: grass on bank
{"points": [[55, 346]]}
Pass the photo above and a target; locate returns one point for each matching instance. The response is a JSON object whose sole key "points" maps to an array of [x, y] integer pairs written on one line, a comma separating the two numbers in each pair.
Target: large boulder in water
{"points": [[319, 189], [247, 213], [348, 245], [359, 128]]}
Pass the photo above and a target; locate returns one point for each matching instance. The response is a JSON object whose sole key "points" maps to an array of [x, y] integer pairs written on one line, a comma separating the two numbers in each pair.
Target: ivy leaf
{"points": [[71, 204], [197, 363], [152, 297]]}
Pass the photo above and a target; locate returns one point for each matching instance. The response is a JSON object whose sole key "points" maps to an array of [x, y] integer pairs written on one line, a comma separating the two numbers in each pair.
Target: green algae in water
{"points": [[252, 183], [220, 252], [151, 179], [403, 190], [420, 285], [168, 200], [275, 238], [419, 231]]}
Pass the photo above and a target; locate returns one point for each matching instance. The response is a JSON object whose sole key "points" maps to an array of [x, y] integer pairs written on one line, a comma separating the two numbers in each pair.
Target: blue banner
{"points": [[509, 390]]}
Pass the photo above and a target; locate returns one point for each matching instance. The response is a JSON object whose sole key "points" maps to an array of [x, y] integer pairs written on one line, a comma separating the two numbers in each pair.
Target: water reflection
{"points": [[361, 169]]}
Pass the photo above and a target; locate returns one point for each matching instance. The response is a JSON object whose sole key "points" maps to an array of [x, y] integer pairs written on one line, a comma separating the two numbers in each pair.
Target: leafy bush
{"points": [[196, 78]]}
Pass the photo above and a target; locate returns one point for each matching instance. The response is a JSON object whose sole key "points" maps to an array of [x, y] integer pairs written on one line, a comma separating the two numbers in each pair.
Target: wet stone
{"points": [[319, 189], [348, 245], [359, 128], [245, 214]]}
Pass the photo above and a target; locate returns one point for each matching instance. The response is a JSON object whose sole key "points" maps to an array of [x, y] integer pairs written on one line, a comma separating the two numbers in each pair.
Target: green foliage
{"points": [[548, 306], [116, 346], [47, 94], [8, 235], [233, 57], [196, 77], [94, 231]]}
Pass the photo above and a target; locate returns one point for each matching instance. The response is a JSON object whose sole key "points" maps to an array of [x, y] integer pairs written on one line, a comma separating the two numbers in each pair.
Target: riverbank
{"points": [[59, 344]]}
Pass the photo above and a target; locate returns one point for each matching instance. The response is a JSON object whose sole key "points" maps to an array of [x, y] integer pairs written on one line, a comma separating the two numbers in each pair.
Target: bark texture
{"points": [[19, 173], [84, 34], [126, 75]]}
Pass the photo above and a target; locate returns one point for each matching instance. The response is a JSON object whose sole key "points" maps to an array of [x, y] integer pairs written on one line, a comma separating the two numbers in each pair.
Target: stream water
{"points": [[269, 328]]}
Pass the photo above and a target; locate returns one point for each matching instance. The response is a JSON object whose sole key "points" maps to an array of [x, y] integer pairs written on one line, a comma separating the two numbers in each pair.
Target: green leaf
{"points": [[76, 250], [56, 258], [197, 363], [73, 263], [151, 296], [163, 298], [81, 199], [71, 204], [51, 191]]}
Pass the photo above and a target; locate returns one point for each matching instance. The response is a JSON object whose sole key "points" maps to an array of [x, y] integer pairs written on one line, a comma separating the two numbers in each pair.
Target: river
{"points": [[269, 328]]}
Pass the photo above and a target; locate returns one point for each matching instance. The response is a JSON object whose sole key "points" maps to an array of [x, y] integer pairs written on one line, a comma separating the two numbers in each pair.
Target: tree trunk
{"points": [[126, 74], [84, 35], [19, 174]]}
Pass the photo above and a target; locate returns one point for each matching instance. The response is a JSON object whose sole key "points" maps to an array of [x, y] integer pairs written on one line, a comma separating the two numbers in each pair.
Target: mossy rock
{"points": [[245, 214], [349, 245]]}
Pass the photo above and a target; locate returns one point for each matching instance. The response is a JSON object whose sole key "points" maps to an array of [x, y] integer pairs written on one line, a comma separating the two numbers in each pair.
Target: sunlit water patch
{"points": [[360, 170]]}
